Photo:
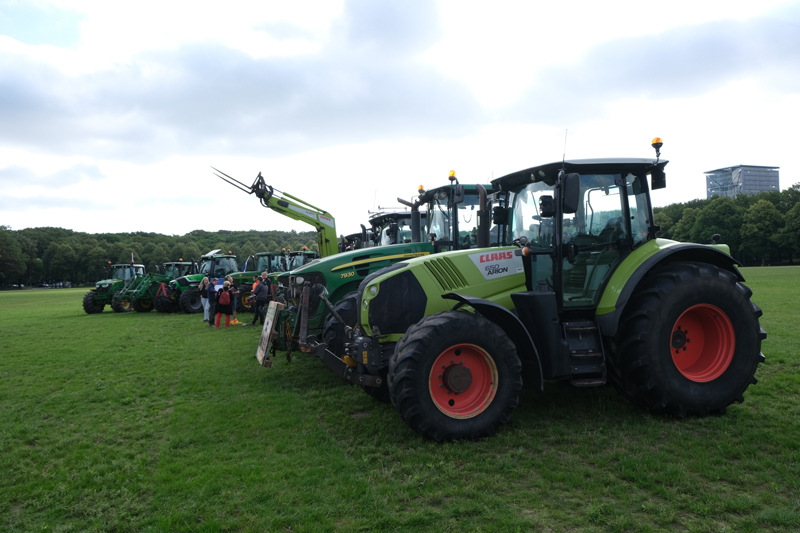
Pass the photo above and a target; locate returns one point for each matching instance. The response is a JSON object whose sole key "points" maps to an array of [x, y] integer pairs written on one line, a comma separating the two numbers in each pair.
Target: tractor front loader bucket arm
{"points": [[292, 207]]}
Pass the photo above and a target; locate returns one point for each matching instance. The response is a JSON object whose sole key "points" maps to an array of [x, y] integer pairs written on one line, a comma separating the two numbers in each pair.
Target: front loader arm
{"points": [[292, 207]]}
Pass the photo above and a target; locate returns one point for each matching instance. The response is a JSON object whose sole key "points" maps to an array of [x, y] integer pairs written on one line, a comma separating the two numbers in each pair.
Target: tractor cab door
{"points": [[611, 220], [529, 226]]}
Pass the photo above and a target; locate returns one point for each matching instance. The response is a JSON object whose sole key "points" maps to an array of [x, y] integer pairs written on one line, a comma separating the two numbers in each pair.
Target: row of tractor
{"points": [[551, 273]]}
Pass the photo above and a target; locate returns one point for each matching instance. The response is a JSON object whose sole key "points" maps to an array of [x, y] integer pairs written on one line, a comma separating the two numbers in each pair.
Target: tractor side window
{"points": [[526, 220], [205, 268], [639, 208]]}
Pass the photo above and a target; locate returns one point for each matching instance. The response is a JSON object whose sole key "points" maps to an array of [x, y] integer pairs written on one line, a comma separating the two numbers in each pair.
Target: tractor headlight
{"points": [[299, 280], [373, 290]]}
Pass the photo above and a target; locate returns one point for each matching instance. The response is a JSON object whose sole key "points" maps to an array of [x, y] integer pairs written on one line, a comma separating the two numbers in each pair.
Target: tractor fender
{"points": [[689, 252], [516, 331]]}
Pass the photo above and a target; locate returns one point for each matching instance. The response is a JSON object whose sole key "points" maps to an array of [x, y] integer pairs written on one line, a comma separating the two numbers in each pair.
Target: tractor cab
{"points": [[577, 221], [392, 228], [126, 271], [218, 265], [178, 269], [453, 214]]}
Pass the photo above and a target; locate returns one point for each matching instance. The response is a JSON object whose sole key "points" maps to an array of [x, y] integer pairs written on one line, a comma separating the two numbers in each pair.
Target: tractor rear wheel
{"points": [[121, 304], [333, 331], [143, 306], [455, 375], [164, 304], [90, 305], [190, 301], [690, 341]]}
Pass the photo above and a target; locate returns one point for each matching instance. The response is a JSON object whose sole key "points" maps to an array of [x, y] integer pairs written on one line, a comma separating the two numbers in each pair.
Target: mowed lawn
{"points": [[151, 422]]}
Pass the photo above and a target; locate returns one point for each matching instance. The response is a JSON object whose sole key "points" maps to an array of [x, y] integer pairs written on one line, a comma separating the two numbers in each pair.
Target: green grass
{"points": [[150, 422]]}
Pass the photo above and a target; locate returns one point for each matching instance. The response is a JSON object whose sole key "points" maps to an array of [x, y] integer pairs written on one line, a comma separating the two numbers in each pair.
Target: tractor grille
{"points": [[446, 274]]}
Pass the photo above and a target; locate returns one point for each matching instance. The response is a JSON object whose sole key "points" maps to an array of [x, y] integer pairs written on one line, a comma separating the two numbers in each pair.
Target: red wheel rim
{"points": [[702, 343], [463, 381]]}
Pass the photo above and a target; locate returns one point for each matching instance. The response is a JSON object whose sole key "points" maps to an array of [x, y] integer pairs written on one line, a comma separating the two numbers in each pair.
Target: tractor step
{"points": [[586, 357]]}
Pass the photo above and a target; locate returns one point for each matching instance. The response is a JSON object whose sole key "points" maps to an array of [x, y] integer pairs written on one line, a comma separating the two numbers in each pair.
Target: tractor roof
{"points": [[469, 187], [126, 265], [382, 218], [549, 173]]}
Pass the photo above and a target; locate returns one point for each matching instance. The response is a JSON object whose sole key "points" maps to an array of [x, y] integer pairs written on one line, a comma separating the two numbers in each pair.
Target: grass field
{"points": [[151, 422]]}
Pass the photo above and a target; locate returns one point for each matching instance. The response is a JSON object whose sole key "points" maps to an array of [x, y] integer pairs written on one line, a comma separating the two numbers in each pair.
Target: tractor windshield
{"points": [[527, 221], [124, 272], [173, 271], [221, 266], [403, 232], [298, 260]]}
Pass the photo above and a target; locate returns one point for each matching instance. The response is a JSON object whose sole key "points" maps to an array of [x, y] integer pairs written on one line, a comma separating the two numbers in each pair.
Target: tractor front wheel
{"points": [[120, 304], [143, 306], [90, 305], [455, 375], [690, 341], [190, 301]]}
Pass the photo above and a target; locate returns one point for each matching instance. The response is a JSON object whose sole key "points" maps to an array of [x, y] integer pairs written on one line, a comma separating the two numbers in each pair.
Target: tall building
{"points": [[741, 179]]}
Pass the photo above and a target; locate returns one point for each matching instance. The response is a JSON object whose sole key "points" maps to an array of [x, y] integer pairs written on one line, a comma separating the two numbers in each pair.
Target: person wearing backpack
{"points": [[224, 301]]}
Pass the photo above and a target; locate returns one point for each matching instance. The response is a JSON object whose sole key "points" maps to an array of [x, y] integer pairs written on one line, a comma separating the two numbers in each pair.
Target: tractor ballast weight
{"points": [[602, 300]]}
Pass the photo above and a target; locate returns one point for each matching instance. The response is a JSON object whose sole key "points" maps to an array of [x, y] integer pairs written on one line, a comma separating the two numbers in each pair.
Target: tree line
{"points": [[760, 229], [44, 255]]}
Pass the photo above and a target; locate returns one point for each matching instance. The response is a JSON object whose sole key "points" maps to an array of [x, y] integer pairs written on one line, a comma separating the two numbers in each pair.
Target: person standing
{"points": [[262, 296], [204, 297], [235, 296], [212, 302], [224, 301]]}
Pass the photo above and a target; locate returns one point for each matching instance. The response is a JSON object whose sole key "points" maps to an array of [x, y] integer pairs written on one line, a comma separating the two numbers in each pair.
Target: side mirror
{"points": [[658, 179], [499, 215], [547, 207], [458, 197], [571, 192]]}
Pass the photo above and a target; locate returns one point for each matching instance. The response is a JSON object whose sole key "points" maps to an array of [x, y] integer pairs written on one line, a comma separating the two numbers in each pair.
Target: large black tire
{"points": [[332, 330], [190, 301], [689, 341], [449, 353], [165, 304], [143, 306], [245, 305], [90, 305], [121, 304]]}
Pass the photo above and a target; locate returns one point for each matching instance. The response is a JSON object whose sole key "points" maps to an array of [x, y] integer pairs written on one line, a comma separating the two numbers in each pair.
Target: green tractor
{"points": [[323, 296], [385, 229], [95, 300], [181, 294], [273, 263], [140, 293], [588, 296]]}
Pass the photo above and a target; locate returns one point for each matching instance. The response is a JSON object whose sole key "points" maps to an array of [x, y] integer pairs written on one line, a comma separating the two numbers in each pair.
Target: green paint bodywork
{"points": [[630, 264], [461, 267]]}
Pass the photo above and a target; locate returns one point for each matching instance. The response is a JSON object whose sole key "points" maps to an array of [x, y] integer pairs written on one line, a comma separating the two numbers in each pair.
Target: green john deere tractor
{"points": [[323, 296], [588, 295], [140, 292], [95, 300]]}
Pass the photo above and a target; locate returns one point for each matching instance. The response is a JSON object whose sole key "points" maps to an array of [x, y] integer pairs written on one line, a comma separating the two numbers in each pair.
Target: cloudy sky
{"points": [[111, 114]]}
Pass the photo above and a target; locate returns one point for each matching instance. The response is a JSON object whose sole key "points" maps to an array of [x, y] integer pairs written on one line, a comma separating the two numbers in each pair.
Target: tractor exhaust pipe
{"points": [[415, 220], [484, 218]]}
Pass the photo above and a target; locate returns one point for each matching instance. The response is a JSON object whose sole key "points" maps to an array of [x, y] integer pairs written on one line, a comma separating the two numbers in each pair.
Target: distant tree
{"points": [[666, 223], [95, 261], [62, 262], [683, 229], [191, 251], [721, 215], [760, 229], [790, 234], [12, 260]]}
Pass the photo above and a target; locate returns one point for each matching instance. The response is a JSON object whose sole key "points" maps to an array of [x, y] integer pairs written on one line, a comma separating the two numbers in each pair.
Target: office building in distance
{"points": [[741, 179]]}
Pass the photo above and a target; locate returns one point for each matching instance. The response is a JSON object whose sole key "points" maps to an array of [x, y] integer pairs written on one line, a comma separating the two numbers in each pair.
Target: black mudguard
{"points": [[531, 365]]}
